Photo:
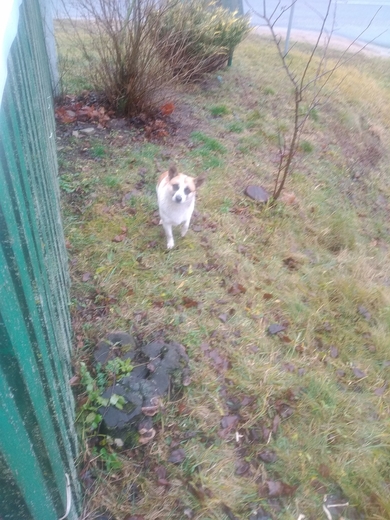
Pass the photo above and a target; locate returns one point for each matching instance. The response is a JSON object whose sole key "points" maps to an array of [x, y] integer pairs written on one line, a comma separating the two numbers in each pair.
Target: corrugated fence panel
{"points": [[37, 437]]}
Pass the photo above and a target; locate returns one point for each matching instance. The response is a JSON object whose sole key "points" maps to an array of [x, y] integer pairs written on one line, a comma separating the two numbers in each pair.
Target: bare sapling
{"points": [[310, 85]]}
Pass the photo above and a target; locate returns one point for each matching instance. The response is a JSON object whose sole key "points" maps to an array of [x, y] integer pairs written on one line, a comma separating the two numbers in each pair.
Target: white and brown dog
{"points": [[176, 201]]}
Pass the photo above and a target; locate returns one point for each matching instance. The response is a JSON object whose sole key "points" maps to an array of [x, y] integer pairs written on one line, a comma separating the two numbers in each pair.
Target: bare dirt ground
{"points": [[336, 42]]}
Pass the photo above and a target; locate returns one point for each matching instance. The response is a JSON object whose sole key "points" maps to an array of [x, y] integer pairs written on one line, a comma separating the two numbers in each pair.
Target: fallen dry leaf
{"points": [[228, 512], [167, 109], [236, 288], [364, 312], [146, 435], [275, 328], [149, 411], [275, 424], [220, 363], [75, 380], [359, 373], [273, 489], [177, 456], [119, 238], [288, 198], [189, 302], [381, 390], [324, 470], [229, 421], [291, 263], [268, 456], [241, 467]]}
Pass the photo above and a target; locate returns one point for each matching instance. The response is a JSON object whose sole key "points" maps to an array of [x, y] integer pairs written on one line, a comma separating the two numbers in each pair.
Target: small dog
{"points": [[176, 201]]}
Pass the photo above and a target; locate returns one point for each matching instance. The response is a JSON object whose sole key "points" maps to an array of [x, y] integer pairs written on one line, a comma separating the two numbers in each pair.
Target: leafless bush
{"points": [[117, 39]]}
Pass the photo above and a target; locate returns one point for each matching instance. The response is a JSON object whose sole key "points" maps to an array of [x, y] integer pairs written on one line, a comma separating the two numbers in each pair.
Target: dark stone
{"points": [[104, 349], [257, 193], [153, 349], [157, 365]]}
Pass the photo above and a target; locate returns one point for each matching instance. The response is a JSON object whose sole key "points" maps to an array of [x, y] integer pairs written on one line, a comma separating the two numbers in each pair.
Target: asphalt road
{"points": [[368, 20]]}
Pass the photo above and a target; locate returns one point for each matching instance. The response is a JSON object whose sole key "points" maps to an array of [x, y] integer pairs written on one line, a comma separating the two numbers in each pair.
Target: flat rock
{"points": [[158, 366], [122, 340], [257, 193], [88, 131]]}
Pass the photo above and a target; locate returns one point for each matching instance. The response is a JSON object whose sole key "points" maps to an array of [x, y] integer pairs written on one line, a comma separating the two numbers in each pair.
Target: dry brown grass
{"points": [[319, 265]]}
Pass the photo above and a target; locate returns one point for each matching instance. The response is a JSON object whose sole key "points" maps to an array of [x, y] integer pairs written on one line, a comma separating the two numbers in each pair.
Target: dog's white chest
{"points": [[174, 213]]}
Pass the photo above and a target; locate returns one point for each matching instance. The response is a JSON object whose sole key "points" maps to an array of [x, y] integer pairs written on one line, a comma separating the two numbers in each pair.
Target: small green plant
{"points": [[89, 412], [219, 110], [226, 206], [209, 144], [111, 181], [209, 151], [98, 151], [118, 367], [108, 458], [306, 147], [236, 127], [313, 114], [71, 183], [268, 91]]}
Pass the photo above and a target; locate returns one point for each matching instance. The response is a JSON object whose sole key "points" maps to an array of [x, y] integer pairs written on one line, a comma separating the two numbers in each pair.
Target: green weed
{"points": [[89, 414], [98, 151], [209, 144], [219, 110], [236, 127], [306, 147], [109, 459]]}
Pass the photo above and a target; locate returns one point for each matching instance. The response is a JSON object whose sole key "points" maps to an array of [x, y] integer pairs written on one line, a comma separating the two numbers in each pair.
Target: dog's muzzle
{"points": [[178, 198]]}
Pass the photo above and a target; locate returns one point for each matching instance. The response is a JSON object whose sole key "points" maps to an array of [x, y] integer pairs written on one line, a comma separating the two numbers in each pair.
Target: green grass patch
{"points": [[219, 110]]}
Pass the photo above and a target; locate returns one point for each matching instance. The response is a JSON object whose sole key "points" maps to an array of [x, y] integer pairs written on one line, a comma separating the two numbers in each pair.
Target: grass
{"points": [[315, 395]]}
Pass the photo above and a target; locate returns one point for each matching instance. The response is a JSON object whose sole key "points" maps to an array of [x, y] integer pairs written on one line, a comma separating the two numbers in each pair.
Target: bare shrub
{"points": [[198, 36], [117, 40]]}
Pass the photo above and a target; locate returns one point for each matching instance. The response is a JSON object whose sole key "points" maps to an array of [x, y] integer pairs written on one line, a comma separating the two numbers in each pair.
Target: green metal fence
{"points": [[37, 438]]}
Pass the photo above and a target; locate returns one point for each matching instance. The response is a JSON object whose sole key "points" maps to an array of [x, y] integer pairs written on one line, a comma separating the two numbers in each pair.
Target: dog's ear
{"points": [[199, 180], [172, 172]]}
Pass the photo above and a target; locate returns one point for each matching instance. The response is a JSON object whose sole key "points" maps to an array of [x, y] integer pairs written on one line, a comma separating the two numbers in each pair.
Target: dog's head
{"points": [[181, 186]]}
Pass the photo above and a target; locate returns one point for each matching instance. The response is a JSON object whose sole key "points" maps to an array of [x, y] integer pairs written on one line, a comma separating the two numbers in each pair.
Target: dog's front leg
{"points": [[169, 234], [184, 227]]}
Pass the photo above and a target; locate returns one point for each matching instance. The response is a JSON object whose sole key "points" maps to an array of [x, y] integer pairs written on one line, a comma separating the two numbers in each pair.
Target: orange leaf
{"points": [[167, 109]]}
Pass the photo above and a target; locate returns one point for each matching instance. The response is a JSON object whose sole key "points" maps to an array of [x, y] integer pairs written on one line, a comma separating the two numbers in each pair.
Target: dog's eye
{"points": [[187, 191], [175, 187]]}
